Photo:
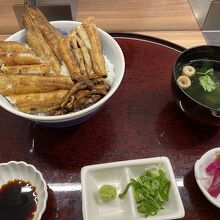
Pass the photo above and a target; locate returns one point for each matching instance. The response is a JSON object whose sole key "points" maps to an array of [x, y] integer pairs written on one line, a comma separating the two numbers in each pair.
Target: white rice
{"points": [[64, 71], [110, 71]]}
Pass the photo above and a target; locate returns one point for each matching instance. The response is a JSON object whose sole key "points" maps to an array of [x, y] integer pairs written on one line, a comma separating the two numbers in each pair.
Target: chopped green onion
{"points": [[123, 194], [150, 190]]}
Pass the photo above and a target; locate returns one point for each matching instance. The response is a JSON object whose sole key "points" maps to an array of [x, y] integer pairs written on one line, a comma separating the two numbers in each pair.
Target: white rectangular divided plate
{"points": [[119, 174]]}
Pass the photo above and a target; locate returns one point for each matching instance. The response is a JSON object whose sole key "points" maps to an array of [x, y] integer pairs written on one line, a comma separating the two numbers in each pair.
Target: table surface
{"points": [[132, 125], [172, 20], [140, 121]]}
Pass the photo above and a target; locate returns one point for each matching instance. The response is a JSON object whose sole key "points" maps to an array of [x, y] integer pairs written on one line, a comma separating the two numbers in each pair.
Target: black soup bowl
{"points": [[196, 110]]}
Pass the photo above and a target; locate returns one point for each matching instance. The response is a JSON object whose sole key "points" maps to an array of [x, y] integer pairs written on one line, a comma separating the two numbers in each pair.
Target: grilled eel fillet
{"points": [[14, 46], [17, 58], [50, 33], [24, 84], [37, 69], [68, 58], [34, 103], [96, 50], [37, 42]]}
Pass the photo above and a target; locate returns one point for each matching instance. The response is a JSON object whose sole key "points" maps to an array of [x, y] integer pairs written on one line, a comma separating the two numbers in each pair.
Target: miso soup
{"points": [[196, 90]]}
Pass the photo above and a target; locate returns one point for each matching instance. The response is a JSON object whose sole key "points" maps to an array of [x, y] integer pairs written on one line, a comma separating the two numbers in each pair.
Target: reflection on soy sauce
{"points": [[18, 200]]}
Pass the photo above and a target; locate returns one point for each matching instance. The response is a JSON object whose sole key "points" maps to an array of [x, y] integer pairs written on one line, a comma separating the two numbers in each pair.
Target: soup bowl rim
{"points": [[174, 75]]}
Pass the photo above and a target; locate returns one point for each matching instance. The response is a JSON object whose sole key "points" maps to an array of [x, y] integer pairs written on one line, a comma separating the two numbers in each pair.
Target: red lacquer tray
{"points": [[141, 120]]}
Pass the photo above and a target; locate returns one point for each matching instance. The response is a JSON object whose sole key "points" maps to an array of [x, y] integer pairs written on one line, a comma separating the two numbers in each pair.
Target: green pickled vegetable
{"points": [[151, 191], [107, 192]]}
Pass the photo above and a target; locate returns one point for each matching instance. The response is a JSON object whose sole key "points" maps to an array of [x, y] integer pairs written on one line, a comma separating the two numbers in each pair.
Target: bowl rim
{"points": [[174, 74], [72, 115], [44, 202]]}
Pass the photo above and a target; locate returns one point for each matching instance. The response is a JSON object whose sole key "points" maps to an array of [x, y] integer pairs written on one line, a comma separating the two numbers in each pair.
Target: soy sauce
{"points": [[18, 200]]}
